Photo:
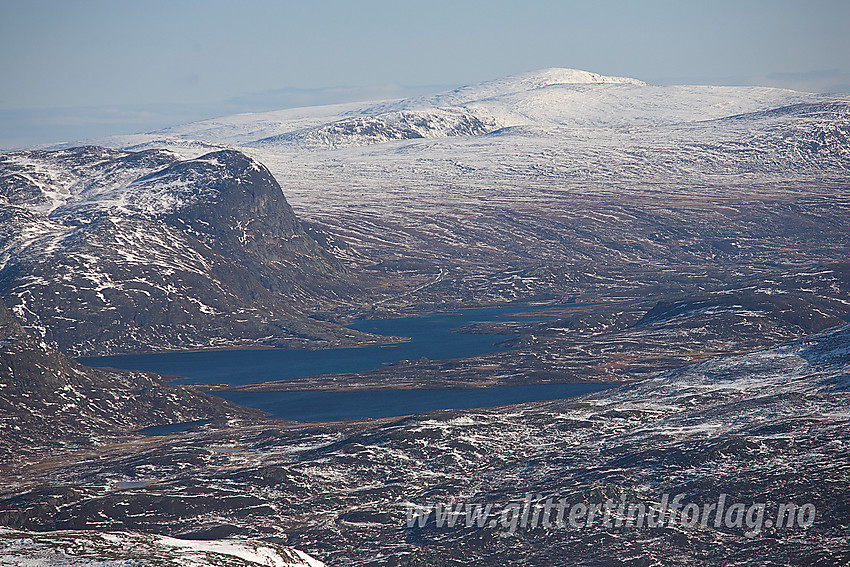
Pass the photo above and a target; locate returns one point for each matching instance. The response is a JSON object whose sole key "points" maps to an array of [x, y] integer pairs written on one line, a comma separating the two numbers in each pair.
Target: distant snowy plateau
{"points": [[692, 242]]}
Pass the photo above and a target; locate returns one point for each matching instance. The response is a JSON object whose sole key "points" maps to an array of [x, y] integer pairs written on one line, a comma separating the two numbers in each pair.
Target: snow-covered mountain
{"points": [[547, 98], [514, 139]]}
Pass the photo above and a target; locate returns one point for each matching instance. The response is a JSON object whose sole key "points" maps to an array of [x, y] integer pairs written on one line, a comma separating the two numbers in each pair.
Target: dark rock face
{"points": [[250, 222], [106, 251]]}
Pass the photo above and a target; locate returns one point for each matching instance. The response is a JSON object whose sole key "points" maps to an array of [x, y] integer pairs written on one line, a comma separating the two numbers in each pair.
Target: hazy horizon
{"points": [[90, 69]]}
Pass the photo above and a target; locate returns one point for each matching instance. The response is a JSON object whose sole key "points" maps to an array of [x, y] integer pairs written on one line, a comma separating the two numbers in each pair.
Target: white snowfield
{"points": [[113, 549]]}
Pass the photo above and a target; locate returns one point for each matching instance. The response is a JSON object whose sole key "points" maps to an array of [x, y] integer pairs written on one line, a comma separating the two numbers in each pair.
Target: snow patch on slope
{"points": [[113, 549]]}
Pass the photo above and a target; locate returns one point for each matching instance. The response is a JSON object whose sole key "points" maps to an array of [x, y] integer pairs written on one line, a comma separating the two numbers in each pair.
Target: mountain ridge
{"points": [[110, 251]]}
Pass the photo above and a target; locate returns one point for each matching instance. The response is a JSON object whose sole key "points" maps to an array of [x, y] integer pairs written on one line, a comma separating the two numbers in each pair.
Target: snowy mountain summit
{"points": [[533, 80], [560, 76]]}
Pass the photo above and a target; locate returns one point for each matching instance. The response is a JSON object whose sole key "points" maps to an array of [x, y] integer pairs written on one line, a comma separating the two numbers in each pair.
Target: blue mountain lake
{"points": [[430, 335], [334, 406]]}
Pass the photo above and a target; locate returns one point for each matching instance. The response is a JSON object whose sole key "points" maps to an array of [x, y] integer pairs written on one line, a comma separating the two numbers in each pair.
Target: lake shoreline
{"points": [[437, 336], [453, 359]]}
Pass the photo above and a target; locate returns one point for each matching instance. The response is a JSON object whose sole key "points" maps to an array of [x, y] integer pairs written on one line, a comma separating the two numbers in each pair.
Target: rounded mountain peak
{"points": [[563, 76], [526, 83]]}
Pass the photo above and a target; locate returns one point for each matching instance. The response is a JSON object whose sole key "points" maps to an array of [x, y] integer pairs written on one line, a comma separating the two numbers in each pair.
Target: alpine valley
{"points": [[687, 245]]}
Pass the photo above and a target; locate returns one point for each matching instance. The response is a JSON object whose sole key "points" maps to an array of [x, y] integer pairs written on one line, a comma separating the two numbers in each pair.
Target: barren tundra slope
{"points": [[49, 403], [767, 427]]}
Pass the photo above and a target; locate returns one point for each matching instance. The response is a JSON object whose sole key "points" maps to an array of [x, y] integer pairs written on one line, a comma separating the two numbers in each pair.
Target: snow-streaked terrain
{"points": [[114, 549], [104, 250], [683, 231], [769, 426]]}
